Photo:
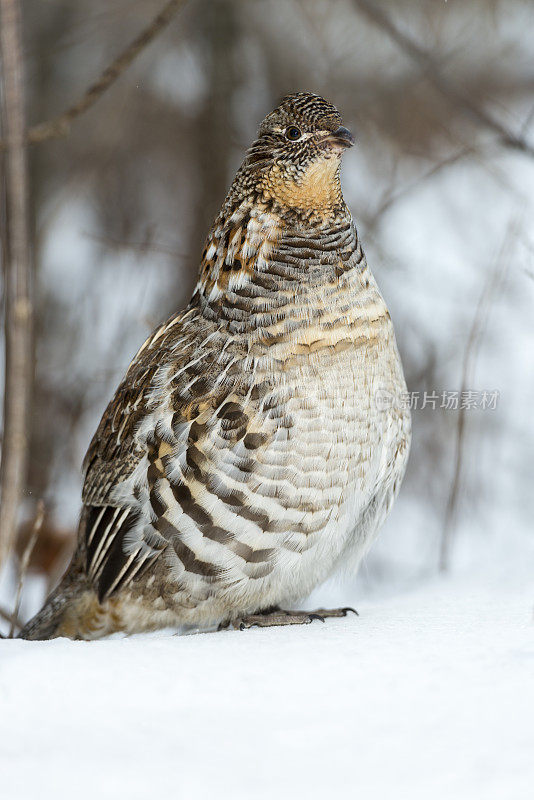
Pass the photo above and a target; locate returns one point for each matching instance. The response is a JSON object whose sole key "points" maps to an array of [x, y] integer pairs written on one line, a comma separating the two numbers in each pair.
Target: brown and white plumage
{"points": [[244, 457]]}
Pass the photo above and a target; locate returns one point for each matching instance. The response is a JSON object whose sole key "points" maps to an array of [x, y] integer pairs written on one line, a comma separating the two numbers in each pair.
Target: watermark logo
{"points": [[449, 400]]}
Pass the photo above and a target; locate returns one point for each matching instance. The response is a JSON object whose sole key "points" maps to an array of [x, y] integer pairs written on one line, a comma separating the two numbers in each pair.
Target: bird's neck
{"points": [[258, 259], [313, 199]]}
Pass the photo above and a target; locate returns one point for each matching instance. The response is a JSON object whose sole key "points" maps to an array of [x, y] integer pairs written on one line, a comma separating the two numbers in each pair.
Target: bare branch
{"points": [[147, 246], [25, 560], [393, 197], [18, 296], [427, 64], [486, 297], [11, 618], [60, 126]]}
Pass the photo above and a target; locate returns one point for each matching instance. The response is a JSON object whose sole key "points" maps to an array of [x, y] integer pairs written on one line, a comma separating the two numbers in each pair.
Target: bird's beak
{"points": [[341, 137]]}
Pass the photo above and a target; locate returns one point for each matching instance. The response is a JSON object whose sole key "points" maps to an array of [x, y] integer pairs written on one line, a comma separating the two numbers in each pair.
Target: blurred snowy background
{"points": [[443, 201]]}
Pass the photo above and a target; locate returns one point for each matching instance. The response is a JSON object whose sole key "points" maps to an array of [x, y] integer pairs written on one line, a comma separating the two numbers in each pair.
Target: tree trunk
{"points": [[17, 268]]}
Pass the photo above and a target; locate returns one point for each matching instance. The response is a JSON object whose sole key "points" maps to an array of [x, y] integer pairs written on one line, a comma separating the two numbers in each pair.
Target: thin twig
{"points": [[146, 246], [426, 62], [25, 560], [60, 126], [18, 284], [11, 618], [488, 292], [394, 197]]}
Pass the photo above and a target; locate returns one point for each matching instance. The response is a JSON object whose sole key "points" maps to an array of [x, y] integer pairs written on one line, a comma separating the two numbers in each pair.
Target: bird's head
{"points": [[290, 177], [295, 160]]}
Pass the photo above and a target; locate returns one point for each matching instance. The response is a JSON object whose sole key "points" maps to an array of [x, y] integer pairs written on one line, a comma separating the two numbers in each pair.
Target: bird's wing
{"points": [[175, 458], [114, 452]]}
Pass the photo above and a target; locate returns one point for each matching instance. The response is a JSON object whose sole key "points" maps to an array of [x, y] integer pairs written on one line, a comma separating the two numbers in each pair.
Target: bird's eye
{"points": [[293, 133]]}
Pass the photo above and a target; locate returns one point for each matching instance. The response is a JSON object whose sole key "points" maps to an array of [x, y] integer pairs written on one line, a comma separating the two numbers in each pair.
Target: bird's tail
{"points": [[55, 618]]}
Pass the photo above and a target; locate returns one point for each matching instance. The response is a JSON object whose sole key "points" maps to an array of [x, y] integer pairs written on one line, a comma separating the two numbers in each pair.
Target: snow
{"points": [[428, 693]]}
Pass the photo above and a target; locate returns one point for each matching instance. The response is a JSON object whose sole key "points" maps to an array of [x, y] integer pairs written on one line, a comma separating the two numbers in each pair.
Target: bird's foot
{"points": [[324, 613], [278, 616]]}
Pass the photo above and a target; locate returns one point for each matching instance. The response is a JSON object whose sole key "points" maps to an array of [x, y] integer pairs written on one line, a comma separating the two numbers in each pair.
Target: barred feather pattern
{"points": [[244, 457]]}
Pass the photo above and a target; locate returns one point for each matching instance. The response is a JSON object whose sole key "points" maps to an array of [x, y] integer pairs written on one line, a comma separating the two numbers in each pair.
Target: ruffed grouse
{"points": [[245, 456]]}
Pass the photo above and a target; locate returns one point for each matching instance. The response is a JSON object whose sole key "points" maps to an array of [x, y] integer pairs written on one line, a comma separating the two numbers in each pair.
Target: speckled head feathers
{"points": [[303, 128], [308, 110], [294, 162]]}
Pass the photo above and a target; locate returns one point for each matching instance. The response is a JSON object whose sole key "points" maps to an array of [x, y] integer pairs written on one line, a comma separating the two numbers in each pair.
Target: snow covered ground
{"points": [[429, 693]]}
